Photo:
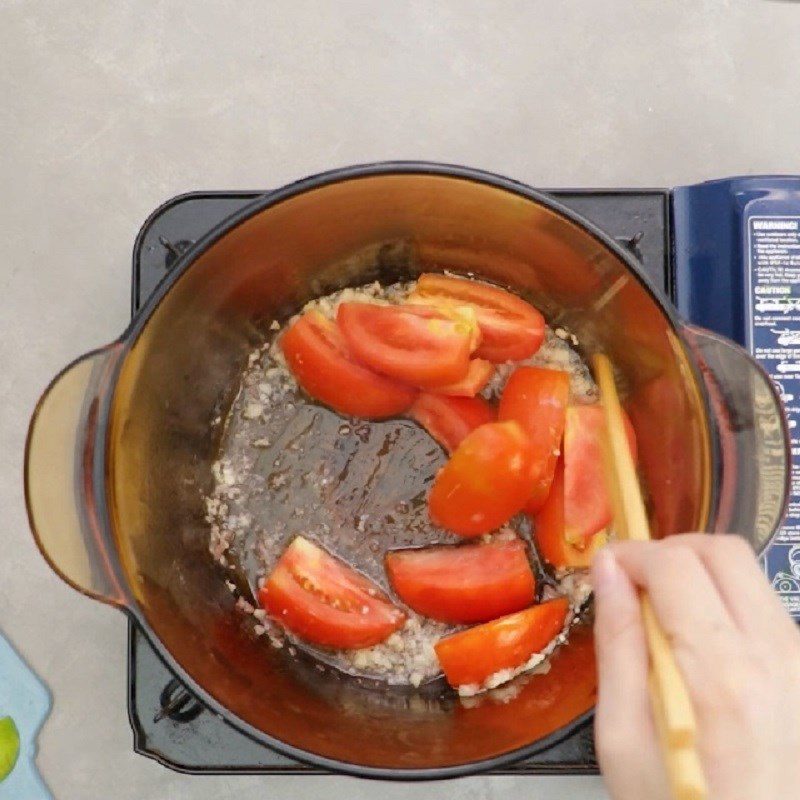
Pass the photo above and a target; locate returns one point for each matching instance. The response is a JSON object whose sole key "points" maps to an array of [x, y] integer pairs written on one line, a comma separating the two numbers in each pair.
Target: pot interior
{"points": [[182, 370]]}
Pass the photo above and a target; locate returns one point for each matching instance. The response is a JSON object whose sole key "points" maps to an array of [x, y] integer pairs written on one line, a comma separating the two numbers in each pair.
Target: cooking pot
{"points": [[120, 446]]}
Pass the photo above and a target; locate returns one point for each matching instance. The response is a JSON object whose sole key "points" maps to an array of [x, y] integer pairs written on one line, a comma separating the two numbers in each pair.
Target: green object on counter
{"points": [[9, 746]]}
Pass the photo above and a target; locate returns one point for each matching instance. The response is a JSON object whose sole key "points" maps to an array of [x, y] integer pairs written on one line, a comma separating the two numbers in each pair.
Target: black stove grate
{"points": [[171, 725]]}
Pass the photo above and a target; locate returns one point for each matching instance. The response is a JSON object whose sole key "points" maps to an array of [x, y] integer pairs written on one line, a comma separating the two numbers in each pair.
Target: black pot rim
{"points": [[131, 334]]}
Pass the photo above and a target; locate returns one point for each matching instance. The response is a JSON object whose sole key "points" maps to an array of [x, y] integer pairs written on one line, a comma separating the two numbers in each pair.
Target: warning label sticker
{"points": [[774, 340]]}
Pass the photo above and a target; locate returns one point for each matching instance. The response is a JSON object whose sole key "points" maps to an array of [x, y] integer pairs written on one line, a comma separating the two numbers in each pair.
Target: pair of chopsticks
{"points": [[672, 707]]}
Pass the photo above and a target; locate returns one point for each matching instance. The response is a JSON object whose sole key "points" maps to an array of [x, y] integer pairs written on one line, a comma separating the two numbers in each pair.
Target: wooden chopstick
{"points": [[630, 522], [672, 707], [684, 771]]}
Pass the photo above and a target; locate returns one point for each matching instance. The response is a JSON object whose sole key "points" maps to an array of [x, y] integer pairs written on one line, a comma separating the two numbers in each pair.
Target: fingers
{"points": [[625, 734], [684, 597], [695, 619], [740, 581], [730, 639], [620, 644]]}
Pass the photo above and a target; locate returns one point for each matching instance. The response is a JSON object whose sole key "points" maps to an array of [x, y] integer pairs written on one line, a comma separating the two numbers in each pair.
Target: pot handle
{"points": [[752, 438], [59, 470]]}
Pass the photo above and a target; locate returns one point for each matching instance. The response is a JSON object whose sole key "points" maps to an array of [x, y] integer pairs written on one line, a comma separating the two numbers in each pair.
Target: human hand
{"points": [[736, 647]]}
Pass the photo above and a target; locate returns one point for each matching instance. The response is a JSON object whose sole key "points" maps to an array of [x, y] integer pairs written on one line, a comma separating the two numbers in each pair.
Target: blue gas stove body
{"points": [[736, 270]]}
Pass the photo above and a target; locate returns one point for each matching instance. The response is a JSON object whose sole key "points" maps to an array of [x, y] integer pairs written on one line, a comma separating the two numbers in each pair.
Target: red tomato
{"points": [[471, 656], [450, 419], [587, 505], [545, 701], [325, 602], [511, 328], [466, 583], [413, 344], [318, 357], [549, 530], [537, 399], [485, 482], [479, 374]]}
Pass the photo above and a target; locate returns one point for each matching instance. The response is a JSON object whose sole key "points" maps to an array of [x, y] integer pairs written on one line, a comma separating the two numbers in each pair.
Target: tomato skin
{"points": [[320, 361], [478, 375], [464, 583], [511, 328], [416, 345], [325, 602], [485, 482], [449, 420], [537, 399], [471, 656], [549, 532], [587, 505]]}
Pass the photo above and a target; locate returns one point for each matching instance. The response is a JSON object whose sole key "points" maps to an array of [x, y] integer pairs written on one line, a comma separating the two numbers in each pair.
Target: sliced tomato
{"points": [[450, 419], [511, 329], [465, 583], [485, 482], [587, 505], [325, 602], [537, 399], [320, 360], [472, 656], [413, 344], [478, 375], [549, 532]]}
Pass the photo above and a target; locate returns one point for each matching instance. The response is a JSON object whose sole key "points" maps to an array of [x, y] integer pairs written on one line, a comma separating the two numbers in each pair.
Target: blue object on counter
{"points": [[736, 249], [25, 699], [710, 245]]}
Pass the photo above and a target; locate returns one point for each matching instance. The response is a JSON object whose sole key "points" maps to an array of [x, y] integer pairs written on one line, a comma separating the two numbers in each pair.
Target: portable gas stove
{"points": [[726, 252]]}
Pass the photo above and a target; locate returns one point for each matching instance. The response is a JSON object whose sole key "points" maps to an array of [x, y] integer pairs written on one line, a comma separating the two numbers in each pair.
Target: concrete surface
{"points": [[109, 108]]}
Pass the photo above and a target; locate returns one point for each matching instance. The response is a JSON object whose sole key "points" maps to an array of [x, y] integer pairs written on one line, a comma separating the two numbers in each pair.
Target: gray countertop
{"points": [[110, 108]]}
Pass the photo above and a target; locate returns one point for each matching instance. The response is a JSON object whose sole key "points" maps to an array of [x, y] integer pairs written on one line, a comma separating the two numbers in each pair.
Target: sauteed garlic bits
{"points": [[341, 520]]}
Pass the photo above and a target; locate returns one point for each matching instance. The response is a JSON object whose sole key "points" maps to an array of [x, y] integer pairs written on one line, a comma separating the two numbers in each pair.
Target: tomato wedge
{"points": [[485, 482], [537, 399], [472, 656], [450, 419], [511, 328], [587, 505], [413, 344], [478, 375], [325, 602], [318, 357], [549, 532], [465, 583]]}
